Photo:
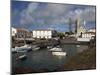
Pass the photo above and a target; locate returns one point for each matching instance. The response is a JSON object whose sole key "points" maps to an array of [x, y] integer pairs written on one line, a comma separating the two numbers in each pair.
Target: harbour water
{"points": [[42, 60]]}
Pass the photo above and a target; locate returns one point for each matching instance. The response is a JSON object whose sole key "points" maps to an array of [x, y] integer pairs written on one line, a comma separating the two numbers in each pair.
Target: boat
{"points": [[77, 45], [24, 48], [55, 49], [22, 57], [59, 53], [35, 47], [58, 46], [49, 47], [22, 51], [13, 50]]}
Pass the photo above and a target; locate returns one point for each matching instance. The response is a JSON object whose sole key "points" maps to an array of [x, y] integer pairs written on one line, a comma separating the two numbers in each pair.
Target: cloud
{"points": [[89, 14], [31, 7], [26, 14], [54, 14], [49, 14]]}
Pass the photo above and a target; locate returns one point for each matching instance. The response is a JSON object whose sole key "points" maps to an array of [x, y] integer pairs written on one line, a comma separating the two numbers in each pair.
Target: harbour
{"points": [[43, 60]]}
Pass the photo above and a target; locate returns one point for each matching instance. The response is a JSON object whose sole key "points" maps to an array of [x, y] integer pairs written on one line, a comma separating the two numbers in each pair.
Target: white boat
{"points": [[22, 57], [77, 45], [13, 50], [23, 48], [58, 46], [59, 53], [35, 47], [49, 47], [21, 51], [55, 49]]}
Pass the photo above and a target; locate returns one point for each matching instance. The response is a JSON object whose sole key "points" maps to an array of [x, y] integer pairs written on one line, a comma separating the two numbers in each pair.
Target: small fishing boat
{"points": [[24, 48], [59, 53], [35, 47], [49, 47], [77, 45], [22, 51], [13, 50], [55, 49], [22, 57]]}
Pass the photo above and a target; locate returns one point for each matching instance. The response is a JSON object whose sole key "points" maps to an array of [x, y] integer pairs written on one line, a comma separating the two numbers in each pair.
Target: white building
{"points": [[86, 36], [42, 34], [21, 33], [90, 35], [13, 31]]}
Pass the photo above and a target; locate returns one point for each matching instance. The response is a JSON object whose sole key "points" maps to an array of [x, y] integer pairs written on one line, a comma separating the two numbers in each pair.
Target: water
{"points": [[43, 59]]}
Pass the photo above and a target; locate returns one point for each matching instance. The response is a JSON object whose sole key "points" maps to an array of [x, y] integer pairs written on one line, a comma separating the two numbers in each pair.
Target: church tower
{"points": [[79, 27]]}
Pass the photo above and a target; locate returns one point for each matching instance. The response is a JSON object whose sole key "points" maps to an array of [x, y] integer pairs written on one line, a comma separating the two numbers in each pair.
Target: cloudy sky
{"points": [[35, 15]]}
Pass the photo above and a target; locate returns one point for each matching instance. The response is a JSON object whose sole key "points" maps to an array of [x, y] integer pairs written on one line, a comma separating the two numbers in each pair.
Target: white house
{"points": [[21, 33], [90, 35], [42, 33], [13, 31], [86, 36]]}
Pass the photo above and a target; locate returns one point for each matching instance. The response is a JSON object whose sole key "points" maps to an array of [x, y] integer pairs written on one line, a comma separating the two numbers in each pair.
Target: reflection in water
{"points": [[70, 49]]}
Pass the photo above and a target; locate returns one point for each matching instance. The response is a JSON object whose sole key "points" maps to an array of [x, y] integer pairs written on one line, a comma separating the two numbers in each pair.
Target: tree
{"points": [[61, 35]]}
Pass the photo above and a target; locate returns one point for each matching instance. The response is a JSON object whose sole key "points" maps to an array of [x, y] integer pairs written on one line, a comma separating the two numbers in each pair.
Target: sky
{"points": [[39, 15]]}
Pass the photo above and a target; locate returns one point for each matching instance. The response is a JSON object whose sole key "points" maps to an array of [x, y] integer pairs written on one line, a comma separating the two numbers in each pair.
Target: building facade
{"points": [[21, 33], [89, 35], [47, 34]]}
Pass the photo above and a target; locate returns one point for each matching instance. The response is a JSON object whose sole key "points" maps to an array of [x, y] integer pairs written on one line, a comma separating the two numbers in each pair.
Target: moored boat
{"points": [[59, 53], [13, 50], [49, 47], [35, 47], [22, 57], [24, 48], [55, 49], [77, 45]]}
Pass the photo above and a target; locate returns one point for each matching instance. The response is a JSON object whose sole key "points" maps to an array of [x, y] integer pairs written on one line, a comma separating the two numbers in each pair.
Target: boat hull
{"points": [[59, 53]]}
